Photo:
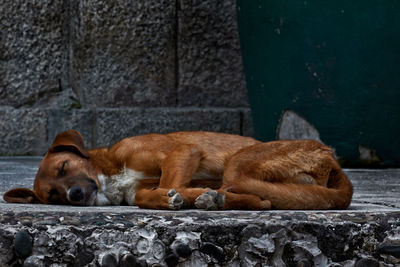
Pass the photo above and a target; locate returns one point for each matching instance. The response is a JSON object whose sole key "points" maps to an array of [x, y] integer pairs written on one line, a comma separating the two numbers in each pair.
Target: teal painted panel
{"points": [[336, 63]]}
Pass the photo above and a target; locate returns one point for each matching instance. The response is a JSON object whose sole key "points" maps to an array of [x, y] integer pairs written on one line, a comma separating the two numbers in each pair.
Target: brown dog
{"points": [[189, 169]]}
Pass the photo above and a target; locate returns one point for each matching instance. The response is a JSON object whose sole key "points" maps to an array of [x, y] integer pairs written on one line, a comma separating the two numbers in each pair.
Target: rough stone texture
{"points": [[114, 65], [382, 183], [64, 99], [111, 128], [31, 131], [123, 52], [209, 58], [120, 53], [23, 131], [17, 172], [247, 123], [33, 51], [215, 238], [82, 120], [293, 126]]}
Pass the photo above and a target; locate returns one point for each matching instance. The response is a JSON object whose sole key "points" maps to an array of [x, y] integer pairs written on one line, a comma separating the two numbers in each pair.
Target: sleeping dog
{"points": [[189, 170]]}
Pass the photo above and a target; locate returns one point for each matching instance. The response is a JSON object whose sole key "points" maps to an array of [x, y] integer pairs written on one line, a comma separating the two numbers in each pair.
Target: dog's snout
{"points": [[83, 191], [76, 193]]}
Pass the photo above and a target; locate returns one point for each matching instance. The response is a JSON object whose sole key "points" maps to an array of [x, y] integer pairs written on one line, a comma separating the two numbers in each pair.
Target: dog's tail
{"points": [[336, 195], [339, 182]]}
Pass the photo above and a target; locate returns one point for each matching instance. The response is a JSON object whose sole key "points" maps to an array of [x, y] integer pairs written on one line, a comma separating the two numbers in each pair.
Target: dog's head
{"points": [[65, 175]]}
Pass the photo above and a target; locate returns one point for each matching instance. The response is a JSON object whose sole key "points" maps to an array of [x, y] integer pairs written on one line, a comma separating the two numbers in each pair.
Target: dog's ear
{"points": [[21, 195], [71, 141]]}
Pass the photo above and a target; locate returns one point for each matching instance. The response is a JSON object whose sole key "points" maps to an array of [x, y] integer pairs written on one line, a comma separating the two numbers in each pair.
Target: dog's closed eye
{"points": [[62, 171]]}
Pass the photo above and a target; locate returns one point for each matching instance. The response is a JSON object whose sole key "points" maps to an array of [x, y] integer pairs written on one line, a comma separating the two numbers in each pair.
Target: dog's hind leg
{"points": [[291, 175], [336, 194]]}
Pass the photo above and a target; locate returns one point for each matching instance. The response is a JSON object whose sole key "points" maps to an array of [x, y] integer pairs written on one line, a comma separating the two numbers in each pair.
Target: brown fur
{"points": [[290, 174], [246, 173]]}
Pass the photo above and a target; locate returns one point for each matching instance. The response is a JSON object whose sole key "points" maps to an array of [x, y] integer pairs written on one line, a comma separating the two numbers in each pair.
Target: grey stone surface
{"points": [[82, 120], [247, 123], [80, 237], [293, 126], [116, 53], [209, 57], [123, 52], [31, 131], [376, 187], [115, 124], [23, 244], [23, 131], [33, 51], [70, 64], [90, 236], [63, 99], [17, 172]]}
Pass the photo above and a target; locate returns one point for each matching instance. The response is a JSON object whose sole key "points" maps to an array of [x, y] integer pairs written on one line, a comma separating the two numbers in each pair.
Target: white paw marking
{"points": [[210, 200], [175, 200]]}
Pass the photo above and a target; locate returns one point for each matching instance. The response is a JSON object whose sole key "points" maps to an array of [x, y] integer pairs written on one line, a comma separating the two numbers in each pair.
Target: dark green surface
{"points": [[336, 63]]}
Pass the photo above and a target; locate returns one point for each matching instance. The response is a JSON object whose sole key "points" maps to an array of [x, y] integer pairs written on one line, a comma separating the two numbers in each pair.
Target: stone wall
{"points": [[112, 69]]}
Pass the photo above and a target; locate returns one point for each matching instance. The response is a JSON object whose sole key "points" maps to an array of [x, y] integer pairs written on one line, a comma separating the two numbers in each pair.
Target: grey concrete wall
{"points": [[112, 69]]}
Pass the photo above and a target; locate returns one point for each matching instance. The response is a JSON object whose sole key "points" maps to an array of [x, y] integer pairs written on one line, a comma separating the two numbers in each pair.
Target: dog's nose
{"points": [[76, 193]]}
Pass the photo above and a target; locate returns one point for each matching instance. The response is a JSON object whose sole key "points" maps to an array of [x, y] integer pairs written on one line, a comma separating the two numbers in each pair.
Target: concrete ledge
{"points": [[89, 236], [42, 235]]}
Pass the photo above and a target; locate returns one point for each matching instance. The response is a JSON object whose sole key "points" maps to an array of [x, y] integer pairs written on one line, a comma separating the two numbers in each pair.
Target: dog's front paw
{"points": [[175, 201], [210, 200]]}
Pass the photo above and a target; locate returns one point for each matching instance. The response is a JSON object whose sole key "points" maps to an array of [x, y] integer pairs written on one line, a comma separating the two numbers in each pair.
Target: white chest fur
{"points": [[118, 188]]}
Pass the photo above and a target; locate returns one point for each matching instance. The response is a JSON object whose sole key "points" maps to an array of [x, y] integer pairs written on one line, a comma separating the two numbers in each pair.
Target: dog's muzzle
{"points": [[82, 195]]}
